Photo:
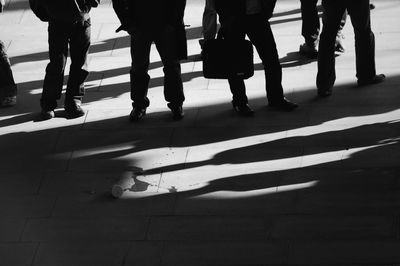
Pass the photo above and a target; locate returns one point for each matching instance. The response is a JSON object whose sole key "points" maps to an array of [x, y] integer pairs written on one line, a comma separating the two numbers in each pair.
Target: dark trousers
{"points": [[260, 34], [364, 40], [74, 37], [167, 47], [209, 21], [7, 83], [311, 26]]}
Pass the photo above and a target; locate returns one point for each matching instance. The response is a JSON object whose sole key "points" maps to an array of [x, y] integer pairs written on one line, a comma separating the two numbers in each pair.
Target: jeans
{"points": [[62, 35], [167, 47], [364, 40], [7, 83]]}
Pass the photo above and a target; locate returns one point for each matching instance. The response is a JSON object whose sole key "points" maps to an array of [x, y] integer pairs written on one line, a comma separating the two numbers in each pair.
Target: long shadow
{"points": [[320, 204]]}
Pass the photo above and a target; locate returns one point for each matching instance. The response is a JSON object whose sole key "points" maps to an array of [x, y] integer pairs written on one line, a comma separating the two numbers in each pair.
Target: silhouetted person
{"points": [[311, 26], [69, 31], [359, 11], [161, 22], [241, 17], [8, 89]]}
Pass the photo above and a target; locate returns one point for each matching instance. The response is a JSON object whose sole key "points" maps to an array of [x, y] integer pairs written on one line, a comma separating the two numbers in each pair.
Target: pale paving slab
{"points": [[346, 252], [84, 229], [134, 204], [11, 229], [304, 227], [199, 228], [81, 253], [17, 254], [27, 206]]}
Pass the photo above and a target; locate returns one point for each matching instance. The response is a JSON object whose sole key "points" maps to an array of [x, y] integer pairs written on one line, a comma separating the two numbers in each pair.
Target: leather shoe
{"points": [[177, 111], [136, 114], [74, 111], [283, 105], [243, 109], [324, 92], [47, 114], [374, 80], [309, 51]]}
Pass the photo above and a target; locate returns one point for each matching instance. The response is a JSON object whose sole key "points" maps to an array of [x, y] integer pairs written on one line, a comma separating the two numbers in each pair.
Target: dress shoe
{"points": [[243, 109], [137, 114], [283, 105], [324, 92], [47, 114], [74, 111], [177, 111], [308, 50], [8, 101], [374, 80]]}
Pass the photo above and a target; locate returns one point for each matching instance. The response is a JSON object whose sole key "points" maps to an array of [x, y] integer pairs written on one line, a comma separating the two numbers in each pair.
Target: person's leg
{"points": [[79, 48], [260, 34], [333, 11], [209, 21], [140, 52], [54, 78], [173, 85], [8, 88], [236, 32], [339, 46], [310, 21], [359, 12]]}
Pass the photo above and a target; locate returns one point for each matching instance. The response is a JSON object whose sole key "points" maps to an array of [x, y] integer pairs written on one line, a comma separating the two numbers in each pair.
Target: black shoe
{"points": [[136, 114], [74, 111], [324, 92], [309, 51], [47, 114], [243, 109], [177, 111], [374, 80], [283, 105]]}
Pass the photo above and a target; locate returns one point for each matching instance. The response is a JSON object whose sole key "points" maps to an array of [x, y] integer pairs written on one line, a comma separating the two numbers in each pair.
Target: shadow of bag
{"points": [[223, 58]]}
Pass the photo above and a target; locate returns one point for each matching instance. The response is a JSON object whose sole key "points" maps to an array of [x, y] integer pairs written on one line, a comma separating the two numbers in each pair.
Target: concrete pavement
{"points": [[318, 186]]}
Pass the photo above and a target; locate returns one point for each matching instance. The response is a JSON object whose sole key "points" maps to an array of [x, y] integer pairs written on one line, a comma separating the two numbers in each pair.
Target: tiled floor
{"points": [[318, 186]]}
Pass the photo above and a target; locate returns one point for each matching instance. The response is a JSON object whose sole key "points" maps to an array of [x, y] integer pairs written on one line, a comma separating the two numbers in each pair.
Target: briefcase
{"points": [[223, 58]]}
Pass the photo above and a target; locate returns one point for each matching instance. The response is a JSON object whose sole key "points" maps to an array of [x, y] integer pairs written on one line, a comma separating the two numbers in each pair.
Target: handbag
{"points": [[223, 59]]}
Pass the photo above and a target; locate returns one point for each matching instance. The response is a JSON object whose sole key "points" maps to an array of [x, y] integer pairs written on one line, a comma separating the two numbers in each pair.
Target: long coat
{"points": [[228, 9]]}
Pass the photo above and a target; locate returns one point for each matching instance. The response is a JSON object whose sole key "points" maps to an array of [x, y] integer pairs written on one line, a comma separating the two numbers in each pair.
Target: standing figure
{"points": [[311, 26], [8, 89], [69, 31], [359, 11], [161, 22], [251, 17]]}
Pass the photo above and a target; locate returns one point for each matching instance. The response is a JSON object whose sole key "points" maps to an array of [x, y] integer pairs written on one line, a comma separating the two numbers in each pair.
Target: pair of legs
{"points": [[259, 31], [64, 37], [167, 47], [8, 88], [209, 22], [311, 26], [359, 11]]}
